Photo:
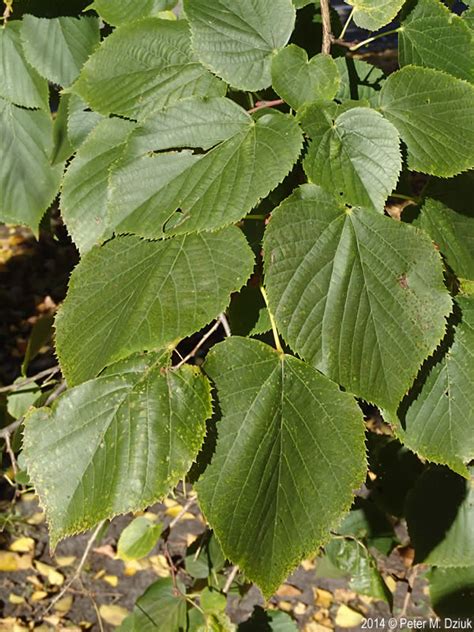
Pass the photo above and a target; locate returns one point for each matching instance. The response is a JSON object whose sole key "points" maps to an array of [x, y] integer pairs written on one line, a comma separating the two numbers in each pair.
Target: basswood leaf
{"points": [[138, 538], [358, 157], [28, 181], [439, 423], [298, 81], [435, 37], [290, 453], [132, 295], [453, 233], [355, 293], [58, 47], [117, 443], [19, 82], [359, 80], [144, 66], [420, 103], [81, 120], [318, 118], [439, 513], [237, 40], [62, 148], [84, 189], [373, 14], [181, 192], [452, 591], [126, 11]]}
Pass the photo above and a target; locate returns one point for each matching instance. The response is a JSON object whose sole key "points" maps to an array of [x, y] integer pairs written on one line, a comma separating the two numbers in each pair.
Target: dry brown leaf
{"points": [[288, 591], [112, 614], [347, 617], [314, 627], [343, 595], [308, 565], [6, 625], [105, 549], [300, 609]]}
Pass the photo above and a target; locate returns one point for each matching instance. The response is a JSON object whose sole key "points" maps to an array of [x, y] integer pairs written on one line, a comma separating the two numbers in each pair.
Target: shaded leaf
{"points": [[41, 334], [117, 443], [81, 120], [58, 47], [20, 83], [138, 538], [144, 66], [452, 591], [26, 147], [340, 281], [85, 184], [237, 40], [439, 512], [151, 294], [298, 81], [126, 11], [420, 103], [275, 420], [359, 80]]}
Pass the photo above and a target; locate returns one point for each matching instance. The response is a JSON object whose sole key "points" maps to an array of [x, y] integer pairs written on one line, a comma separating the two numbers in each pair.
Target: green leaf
{"points": [[359, 80], [147, 295], [440, 513], [420, 103], [453, 233], [237, 40], [138, 538], [62, 148], [117, 443], [81, 120], [356, 564], [41, 334], [373, 14], [434, 37], [358, 156], [159, 609], [58, 47], [439, 423], [452, 591], [182, 191], [28, 182], [298, 81], [144, 66], [85, 184], [19, 83], [290, 451], [21, 399], [340, 284], [204, 557], [126, 11]]}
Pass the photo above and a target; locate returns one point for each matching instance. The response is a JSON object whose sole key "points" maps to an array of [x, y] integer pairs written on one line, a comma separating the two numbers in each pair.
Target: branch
{"points": [[327, 34], [265, 104], [10, 429], [17, 385], [192, 353]]}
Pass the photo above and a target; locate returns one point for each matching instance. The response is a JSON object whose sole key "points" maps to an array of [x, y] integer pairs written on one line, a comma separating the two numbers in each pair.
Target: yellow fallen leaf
{"points": [[190, 538], [323, 598], [18, 627], [308, 565], [286, 606], [160, 565], [99, 574], [348, 618], [23, 545], [65, 560], [149, 515], [112, 580], [286, 590], [391, 583], [6, 625], [299, 609], [38, 595], [314, 627], [33, 579], [85, 625], [114, 615], [174, 511], [11, 562], [169, 502], [63, 606], [15, 599], [36, 518], [28, 497], [54, 620], [52, 575]]}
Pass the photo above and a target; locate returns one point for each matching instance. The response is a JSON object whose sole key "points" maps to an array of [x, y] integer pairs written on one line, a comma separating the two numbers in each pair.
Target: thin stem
{"points": [[225, 325], [10, 429], [255, 217], [56, 393], [230, 579], [373, 38], [276, 337], [192, 353], [185, 508], [348, 21], [401, 196], [17, 385], [326, 20], [80, 566], [265, 104]]}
